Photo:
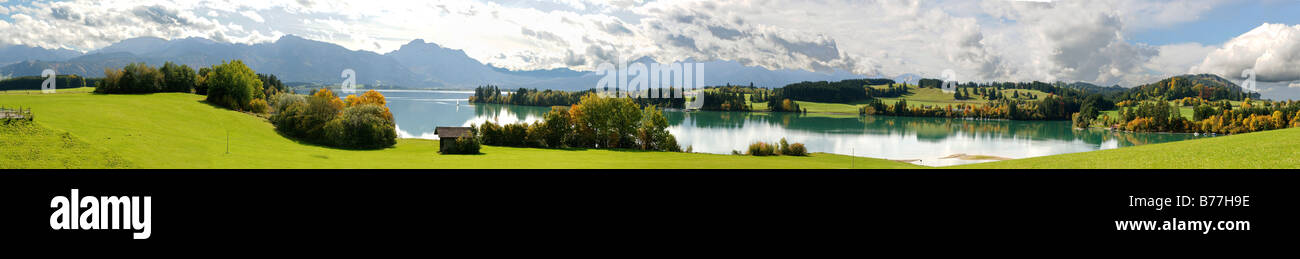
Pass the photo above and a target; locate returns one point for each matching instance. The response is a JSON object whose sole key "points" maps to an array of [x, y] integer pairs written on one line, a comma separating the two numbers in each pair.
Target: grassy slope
{"points": [[1268, 149], [1186, 111], [28, 145], [175, 130]]}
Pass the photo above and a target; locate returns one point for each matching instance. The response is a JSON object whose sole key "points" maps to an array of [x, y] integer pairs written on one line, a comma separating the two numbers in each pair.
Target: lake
{"points": [[923, 141]]}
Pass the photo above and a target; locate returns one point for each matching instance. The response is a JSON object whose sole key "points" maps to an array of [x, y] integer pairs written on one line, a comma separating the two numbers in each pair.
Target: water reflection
{"points": [[926, 141]]}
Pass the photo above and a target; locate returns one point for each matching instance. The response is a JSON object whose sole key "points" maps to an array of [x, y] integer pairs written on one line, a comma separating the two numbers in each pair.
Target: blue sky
{"points": [[1224, 23]]}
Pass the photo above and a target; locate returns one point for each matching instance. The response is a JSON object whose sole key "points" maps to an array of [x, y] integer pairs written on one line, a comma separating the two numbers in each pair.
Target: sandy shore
{"points": [[975, 157]]}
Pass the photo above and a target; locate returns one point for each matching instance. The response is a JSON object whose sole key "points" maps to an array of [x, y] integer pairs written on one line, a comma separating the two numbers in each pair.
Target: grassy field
{"points": [[1268, 149], [1186, 111], [28, 145], [174, 130]]}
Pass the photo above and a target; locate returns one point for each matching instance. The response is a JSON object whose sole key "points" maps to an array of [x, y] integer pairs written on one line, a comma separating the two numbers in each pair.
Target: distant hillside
{"points": [[1091, 88], [1206, 86], [14, 54], [417, 64], [91, 65], [547, 73]]}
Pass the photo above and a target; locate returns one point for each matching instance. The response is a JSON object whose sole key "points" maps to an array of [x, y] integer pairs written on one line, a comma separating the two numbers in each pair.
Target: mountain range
{"points": [[417, 64]]}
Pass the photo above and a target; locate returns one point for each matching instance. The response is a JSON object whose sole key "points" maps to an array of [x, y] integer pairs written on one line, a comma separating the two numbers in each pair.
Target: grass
{"points": [[1267, 149], [1186, 111], [840, 108], [28, 145], [176, 130]]}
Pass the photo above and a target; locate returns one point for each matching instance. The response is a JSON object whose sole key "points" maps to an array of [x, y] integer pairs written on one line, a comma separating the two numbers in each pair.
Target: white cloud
{"points": [[252, 15], [1272, 50], [981, 40]]}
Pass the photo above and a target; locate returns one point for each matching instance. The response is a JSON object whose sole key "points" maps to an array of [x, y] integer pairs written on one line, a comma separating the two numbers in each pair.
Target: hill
{"points": [[1206, 86], [1091, 88], [17, 53], [1267, 149]]}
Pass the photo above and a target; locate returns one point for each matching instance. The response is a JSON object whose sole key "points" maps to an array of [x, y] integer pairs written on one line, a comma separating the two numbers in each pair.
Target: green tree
{"points": [[652, 133], [233, 85], [612, 120], [556, 127], [178, 78], [200, 85]]}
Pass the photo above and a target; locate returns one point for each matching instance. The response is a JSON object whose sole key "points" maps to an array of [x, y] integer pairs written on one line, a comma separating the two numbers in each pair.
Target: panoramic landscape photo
{"points": [[646, 84]]}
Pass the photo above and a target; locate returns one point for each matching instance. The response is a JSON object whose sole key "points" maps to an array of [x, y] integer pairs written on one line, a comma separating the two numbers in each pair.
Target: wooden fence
{"points": [[8, 114]]}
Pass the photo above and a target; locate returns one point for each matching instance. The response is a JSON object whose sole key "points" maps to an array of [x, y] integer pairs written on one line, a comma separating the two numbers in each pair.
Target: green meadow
{"points": [[1266, 149]]}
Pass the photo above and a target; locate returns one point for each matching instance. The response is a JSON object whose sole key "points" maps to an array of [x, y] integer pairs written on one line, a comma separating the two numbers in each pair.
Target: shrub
{"points": [[178, 78], [200, 81], [652, 133], [1080, 121], [797, 149], [258, 106], [761, 149], [361, 127], [280, 101], [369, 97], [271, 85], [322, 118], [536, 136], [513, 135], [290, 115], [784, 146], [465, 146], [233, 85], [557, 127], [780, 148], [134, 78], [491, 133]]}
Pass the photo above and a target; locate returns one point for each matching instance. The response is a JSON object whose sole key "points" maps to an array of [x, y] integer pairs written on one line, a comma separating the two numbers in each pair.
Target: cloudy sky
{"points": [[1125, 42]]}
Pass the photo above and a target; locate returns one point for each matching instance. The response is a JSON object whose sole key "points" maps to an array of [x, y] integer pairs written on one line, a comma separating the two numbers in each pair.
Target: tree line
{"points": [[1210, 117], [231, 84], [1050, 108], [34, 82], [594, 122], [533, 97]]}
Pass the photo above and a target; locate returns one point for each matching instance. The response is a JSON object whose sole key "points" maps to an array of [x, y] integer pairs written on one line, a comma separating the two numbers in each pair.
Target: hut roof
{"points": [[452, 132]]}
